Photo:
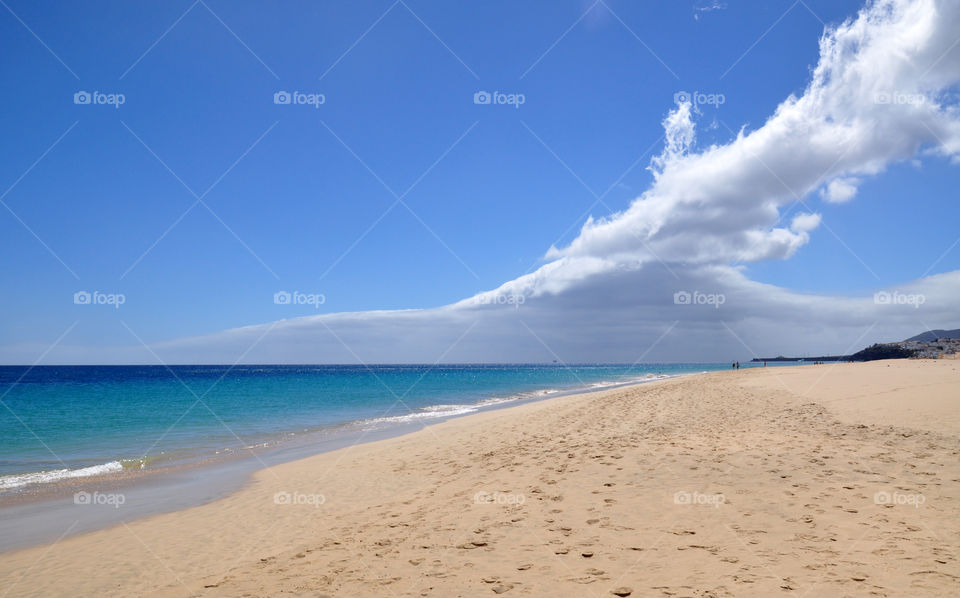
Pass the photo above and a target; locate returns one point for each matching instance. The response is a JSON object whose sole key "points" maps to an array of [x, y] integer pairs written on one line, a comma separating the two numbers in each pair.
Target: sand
{"points": [[815, 481]]}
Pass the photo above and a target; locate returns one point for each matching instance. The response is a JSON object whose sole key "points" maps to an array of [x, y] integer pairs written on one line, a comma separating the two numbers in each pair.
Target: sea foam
{"points": [[23, 479]]}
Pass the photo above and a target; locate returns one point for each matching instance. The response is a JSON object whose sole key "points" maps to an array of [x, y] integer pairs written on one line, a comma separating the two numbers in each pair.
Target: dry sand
{"points": [[815, 481]]}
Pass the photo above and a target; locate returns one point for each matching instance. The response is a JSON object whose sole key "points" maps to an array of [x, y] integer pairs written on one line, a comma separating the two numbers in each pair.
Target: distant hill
{"points": [[888, 351], [932, 335], [915, 346]]}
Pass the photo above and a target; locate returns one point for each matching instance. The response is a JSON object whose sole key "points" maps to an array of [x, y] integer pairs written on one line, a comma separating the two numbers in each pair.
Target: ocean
{"points": [[60, 422]]}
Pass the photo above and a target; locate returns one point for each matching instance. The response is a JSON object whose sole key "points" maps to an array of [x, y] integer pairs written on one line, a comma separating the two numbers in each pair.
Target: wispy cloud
{"points": [[700, 8]]}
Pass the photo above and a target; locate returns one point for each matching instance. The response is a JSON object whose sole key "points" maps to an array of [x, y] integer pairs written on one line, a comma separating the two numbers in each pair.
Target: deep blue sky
{"points": [[200, 98]]}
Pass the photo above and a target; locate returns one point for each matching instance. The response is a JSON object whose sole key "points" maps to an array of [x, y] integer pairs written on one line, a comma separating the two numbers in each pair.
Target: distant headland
{"points": [[932, 344]]}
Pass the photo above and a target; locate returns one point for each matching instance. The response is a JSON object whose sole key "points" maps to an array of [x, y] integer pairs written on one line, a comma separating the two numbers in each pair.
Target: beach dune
{"points": [[831, 480]]}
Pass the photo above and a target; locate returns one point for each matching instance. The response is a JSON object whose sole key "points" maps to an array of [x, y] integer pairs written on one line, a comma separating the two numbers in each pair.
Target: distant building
{"points": [[931, 349]]}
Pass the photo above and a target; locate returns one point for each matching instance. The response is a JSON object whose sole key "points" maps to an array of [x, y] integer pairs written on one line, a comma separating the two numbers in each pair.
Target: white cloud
{"points": [[840, 190], [722, 205], [704, 7], [679, 134], [804, 223], [616, 316]]}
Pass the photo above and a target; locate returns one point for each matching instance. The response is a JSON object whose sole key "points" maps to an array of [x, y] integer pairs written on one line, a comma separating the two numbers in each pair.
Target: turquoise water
{"points": [[71, 421]]}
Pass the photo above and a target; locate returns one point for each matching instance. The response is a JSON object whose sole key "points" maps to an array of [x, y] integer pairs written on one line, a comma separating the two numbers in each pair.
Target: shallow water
{"points": [[63, 422]]}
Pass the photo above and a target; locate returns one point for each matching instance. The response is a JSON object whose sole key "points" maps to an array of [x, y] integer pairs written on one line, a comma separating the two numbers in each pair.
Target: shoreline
{"points": [[124, 463], [726, 484], [37, 514]]}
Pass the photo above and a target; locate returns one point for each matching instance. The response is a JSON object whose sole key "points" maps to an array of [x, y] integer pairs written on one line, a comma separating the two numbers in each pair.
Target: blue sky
{"points": [[295, 189]]}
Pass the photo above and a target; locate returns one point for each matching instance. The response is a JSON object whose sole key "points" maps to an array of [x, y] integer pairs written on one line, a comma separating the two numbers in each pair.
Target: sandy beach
{"points": [[831, 480]]}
